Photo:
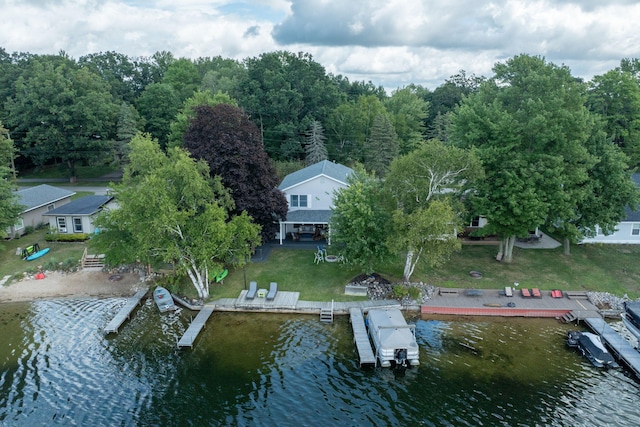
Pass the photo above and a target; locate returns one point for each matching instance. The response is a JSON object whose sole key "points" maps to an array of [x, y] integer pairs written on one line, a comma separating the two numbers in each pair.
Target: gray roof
{"points": [[304, 216], [83, 206], [41, 195], [330, 169]]}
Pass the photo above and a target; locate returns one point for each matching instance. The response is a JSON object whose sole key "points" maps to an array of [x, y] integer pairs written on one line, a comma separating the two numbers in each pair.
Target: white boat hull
{"points": [[393, 339]]}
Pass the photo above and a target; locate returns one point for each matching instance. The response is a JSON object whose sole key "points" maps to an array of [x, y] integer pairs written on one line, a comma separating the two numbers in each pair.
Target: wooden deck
{"points": [[489, 302], [125, 312], [360, 337], [620, 347], [195, 327]]}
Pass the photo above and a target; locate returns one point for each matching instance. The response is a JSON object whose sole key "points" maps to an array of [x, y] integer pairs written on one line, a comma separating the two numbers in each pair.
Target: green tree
{"points": [[181, 123], [359, 221], [189, 224], [61, 112], [382, 145], [529, 125], [315, 148], [9, 206], [433, 172], [158, 105], [408, 112], [283, 92], [615, 96], [129, 124], [183, 76], [427, 235]]}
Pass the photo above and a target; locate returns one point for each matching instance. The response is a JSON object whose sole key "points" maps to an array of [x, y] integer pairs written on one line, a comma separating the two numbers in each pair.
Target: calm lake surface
{"points": [[57, 368]]}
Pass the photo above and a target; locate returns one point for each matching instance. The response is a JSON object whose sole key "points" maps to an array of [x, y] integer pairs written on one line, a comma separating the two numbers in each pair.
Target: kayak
{"points": [[37, 254], [222, 275]]}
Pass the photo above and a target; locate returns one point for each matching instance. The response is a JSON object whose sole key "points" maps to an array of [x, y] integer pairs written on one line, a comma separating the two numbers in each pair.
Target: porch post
{"points": [[280, 222]]}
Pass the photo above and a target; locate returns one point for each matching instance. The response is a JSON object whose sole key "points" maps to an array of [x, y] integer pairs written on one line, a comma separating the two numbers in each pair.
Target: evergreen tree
{"points": [[382, 146], [316, 149]]}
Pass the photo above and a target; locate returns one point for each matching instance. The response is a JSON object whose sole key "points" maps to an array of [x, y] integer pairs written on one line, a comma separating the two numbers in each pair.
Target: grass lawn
{"points": [[13, 265], [605, 268]]}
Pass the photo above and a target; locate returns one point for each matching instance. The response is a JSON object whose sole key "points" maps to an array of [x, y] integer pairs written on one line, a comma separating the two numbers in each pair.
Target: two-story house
{"points": [[309, 193]]}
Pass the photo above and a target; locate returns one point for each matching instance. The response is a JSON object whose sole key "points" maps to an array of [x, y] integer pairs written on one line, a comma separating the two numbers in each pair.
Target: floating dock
{"points": [[125, 312], [361, 338], [195, 327], [620, 347]]}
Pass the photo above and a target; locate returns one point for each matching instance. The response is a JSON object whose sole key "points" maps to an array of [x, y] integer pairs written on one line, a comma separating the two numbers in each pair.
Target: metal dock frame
{"points": [[361, 338], [125, 312], [195, 327], [620, 347]]}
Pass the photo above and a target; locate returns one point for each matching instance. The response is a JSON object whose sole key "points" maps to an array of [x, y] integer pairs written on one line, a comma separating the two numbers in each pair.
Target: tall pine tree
{"points": [[315, 148]]}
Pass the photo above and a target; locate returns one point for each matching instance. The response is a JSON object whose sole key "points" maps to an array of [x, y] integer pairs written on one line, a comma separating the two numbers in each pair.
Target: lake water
{"points": [[57, 368]]}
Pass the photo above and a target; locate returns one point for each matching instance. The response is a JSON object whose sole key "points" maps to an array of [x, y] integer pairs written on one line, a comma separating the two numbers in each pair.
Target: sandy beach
{"points": [[79, 284]]}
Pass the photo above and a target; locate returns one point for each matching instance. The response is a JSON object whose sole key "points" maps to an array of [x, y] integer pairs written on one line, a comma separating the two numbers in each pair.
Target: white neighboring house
{"points": [[627, 231], [78, 216], [309, 193], [37, 201]]}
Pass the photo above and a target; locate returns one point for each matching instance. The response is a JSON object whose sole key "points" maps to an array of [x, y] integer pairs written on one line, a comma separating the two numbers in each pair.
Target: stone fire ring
{"points": [[115, 277], [475, 274], [331, 258]]}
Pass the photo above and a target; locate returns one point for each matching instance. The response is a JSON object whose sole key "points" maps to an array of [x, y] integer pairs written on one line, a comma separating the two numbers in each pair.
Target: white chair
{"points": [[319, 257]]}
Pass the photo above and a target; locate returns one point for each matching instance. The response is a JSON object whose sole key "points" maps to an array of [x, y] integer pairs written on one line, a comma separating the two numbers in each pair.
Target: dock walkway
{"points": [[620, 347], [195, 327], [125, 311], [361, 338]]}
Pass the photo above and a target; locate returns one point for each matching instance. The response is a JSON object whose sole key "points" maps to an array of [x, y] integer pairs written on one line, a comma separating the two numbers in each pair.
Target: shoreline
{"points": [[68, 285]]}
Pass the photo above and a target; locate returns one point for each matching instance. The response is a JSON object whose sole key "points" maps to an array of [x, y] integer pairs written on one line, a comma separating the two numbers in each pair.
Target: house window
{"points": [[475, 222], [635, 230], [62, 224], [19, 225], [51, 207], [77, 225], [599, 231], [298, 201]]}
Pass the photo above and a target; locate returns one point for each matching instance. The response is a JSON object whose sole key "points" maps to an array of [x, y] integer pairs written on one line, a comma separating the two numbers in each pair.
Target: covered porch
{"points": [[306, 226]]}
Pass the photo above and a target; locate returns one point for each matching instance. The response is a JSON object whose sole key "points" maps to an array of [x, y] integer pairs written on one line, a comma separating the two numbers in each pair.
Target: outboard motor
{"points": [[400, 356]]}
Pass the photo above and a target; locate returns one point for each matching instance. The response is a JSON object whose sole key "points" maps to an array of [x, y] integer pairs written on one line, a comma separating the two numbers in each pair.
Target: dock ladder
{"points": [[326, 314]]}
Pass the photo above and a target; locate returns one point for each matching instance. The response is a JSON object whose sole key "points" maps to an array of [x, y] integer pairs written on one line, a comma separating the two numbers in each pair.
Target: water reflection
{"points": [[58, 368]]}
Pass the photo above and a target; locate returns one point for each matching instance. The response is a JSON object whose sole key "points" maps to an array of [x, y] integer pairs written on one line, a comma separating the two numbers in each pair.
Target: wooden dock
{"points": [[195, 327], [619, 346], [125, 312], [361, 338]]}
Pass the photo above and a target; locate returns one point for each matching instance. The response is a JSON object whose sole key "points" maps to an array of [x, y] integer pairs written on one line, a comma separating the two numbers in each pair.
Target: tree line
{"points": [[541, 148]]}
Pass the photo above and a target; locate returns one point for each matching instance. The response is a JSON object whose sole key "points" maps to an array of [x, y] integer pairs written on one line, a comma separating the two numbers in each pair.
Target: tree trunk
{"points": [[407, 267], [508, 243], [202, 286], [567, 246]]}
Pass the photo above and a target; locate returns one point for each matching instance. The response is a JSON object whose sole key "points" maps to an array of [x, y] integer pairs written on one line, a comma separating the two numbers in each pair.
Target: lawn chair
{"points": [[253, 288], [319, 257], [273, 290], [322, 250]]}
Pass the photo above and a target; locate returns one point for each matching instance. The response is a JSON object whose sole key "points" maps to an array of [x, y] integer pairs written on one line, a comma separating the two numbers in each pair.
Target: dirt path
{"points": [[79, 284]]}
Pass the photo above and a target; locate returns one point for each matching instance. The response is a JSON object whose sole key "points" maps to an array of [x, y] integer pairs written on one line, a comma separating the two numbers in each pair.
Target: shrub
{"points": [[29, 229], [75, 237]]}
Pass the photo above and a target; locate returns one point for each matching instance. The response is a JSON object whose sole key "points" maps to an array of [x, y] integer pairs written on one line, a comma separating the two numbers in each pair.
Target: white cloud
{"points": [[390, 42]]}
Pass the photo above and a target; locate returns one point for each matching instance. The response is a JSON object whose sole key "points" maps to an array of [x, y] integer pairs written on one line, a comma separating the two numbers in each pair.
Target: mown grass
{"points": [[605, 268], [13, 265]]}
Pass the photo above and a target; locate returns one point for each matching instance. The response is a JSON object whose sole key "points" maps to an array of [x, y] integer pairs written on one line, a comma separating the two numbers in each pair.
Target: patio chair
{"points": [[322, 250], [273, 290], [253, 288], [319, 257]]}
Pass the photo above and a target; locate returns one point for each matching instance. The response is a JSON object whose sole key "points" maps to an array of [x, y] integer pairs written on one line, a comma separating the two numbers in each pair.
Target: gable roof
{"points": [[332, 170], [83, 206], [41, 195]]}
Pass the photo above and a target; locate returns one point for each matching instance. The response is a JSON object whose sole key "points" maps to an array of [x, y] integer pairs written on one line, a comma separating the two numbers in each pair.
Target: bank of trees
{"points": [[555, 151]]}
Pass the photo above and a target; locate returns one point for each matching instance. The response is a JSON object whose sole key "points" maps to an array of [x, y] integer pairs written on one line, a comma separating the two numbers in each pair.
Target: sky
{"points": [[391, 43]]}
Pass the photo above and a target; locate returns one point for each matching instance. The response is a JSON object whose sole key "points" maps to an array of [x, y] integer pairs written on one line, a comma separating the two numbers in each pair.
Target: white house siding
{"points": [[622, 236], [319, 192]]}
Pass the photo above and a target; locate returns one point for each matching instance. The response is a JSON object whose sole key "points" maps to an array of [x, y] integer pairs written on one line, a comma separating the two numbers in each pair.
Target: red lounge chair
{"points": [[556, 293], [525, 293], [536, 293]]}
